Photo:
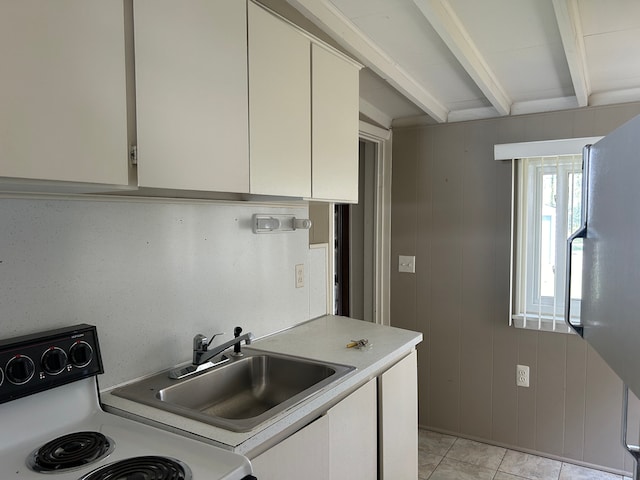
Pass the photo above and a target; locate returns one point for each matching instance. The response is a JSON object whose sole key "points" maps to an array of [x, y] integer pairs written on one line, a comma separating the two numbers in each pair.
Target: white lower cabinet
{"points": [[398, 420], [342, 444], [305, 454], [372, 434], [353, 436]]}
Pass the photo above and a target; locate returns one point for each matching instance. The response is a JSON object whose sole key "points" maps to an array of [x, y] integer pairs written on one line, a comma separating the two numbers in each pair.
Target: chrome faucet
{"points": [[202, 356]]}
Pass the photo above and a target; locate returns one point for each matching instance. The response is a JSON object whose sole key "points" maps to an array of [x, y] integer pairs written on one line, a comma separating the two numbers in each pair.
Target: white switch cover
{"points": [[407, 263], [300, 275]]}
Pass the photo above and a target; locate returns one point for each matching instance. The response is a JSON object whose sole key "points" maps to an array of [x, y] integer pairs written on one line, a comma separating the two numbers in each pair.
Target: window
{"points": [[547, 210]]}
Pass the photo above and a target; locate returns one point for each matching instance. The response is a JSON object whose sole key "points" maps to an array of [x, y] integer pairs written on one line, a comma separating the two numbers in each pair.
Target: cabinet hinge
{"points": [[133, 154]]}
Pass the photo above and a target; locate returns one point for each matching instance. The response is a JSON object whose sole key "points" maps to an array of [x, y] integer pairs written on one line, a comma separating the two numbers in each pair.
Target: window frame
{"points": [[529, 307]]}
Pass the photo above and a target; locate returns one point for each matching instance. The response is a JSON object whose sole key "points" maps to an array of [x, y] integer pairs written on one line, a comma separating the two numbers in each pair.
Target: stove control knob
{"points": [[54, 361], [1, 377], [81, 354], [20, 369]]}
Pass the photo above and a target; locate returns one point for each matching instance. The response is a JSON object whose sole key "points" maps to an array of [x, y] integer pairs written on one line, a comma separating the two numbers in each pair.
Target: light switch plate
{"points": [[407, 263]]}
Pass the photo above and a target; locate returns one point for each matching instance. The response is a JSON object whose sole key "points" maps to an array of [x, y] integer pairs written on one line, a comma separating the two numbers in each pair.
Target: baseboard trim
{"points": [[528, 450]]}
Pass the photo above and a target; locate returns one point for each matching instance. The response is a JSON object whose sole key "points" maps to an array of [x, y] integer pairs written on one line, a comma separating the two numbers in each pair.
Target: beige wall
{"points": [[451, 208], [320, 215]]}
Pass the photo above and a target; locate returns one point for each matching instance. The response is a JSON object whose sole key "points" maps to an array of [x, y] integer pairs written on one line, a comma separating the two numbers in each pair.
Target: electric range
{"points": [[53, 428]]}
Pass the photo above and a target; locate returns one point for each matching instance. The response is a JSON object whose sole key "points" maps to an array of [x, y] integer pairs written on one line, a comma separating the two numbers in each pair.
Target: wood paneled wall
{"points": [[451, 208]]}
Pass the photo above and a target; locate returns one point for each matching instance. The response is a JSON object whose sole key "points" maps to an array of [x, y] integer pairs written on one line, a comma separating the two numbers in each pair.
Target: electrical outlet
{"points": [[300, 275], [522, 375]]}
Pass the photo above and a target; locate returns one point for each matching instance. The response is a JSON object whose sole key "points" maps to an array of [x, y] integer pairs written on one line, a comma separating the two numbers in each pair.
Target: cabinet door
{"points": [[305, 454], [191, 94], [279, 106], [335, 127], [353, 436], [63, 95], [399, 420]]}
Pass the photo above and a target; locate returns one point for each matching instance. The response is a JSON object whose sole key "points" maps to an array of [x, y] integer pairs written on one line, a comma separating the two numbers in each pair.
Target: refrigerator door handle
{"points": [[634, 450], [580, 233]]}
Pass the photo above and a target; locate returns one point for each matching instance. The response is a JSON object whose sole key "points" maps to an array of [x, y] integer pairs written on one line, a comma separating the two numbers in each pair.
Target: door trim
{"points": [[382, 229]]}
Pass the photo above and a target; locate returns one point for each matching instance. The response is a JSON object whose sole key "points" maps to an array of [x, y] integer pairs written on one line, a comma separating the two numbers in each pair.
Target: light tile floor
{"points": [[443, 457]]}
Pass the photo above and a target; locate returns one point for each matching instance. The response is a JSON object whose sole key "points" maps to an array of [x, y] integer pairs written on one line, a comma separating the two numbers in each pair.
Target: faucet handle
{"points": [[201, 343], [212, 338]]}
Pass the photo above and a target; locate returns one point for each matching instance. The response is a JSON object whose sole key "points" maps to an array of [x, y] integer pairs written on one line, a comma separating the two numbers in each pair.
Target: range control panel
{"points": [[38, 362]]}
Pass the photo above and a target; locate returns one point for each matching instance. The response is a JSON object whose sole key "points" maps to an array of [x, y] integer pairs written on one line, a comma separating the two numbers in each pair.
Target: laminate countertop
{"points": [[325, 339]]}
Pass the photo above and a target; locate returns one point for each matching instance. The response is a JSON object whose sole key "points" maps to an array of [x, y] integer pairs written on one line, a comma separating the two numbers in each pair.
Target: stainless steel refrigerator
{"points": [[610, 232]]}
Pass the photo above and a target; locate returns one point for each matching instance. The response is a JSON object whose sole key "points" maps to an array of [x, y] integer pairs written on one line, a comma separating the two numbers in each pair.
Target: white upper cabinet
{"points": [[63, 112], [279, 106], [191, 94], [303, 114], [217, 95], [335, 115]]}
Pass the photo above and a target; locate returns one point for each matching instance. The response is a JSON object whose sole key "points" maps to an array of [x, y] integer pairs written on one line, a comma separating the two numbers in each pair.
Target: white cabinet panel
{"points": [[399, 420], [371, 434], [343, 444], [335, 127], [305, 454], [279, 106], [191, 94], [63, 94], [353, 436]]}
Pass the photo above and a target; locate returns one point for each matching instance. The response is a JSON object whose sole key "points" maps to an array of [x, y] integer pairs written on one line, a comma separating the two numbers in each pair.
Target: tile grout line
{"points": [[441, 457], [444, 456], [495, 472], [500, 464], [451, 446], [435, 468]]}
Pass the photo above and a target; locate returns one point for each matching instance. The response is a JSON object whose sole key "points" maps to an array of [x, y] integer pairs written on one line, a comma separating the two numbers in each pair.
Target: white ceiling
{"points": [[454, 60]]}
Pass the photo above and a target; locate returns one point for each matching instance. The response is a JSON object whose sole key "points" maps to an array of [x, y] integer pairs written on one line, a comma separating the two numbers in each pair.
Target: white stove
{"points": [[53, 428]]}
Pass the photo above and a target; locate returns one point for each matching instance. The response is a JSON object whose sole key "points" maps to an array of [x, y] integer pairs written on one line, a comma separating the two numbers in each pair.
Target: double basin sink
{"points": [[240, 394]]}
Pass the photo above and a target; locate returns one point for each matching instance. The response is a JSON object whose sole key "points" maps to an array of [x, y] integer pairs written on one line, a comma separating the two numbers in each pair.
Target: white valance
{"points": [[546, 148]]}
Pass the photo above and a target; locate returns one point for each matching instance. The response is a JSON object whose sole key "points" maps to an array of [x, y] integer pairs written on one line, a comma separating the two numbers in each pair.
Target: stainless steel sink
{"points": [[240, 394]]}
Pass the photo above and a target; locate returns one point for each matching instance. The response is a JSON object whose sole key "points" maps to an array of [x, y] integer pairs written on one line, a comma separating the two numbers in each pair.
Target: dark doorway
{"points": [[342, 247], [354, 243]]}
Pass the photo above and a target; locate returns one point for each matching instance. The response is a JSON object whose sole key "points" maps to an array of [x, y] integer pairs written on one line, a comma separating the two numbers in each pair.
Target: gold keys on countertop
{"points": [[359, 344]]}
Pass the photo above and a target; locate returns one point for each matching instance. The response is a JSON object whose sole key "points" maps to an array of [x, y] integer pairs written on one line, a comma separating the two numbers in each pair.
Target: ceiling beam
{"points": [[472, 114], [446, 23], [324, 14], [544, 105], [375, 114], [627, 95], [568, 19]]}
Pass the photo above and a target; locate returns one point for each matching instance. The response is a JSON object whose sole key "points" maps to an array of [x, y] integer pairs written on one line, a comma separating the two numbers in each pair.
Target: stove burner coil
{"points": [[142, 468], [70, 451]]}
